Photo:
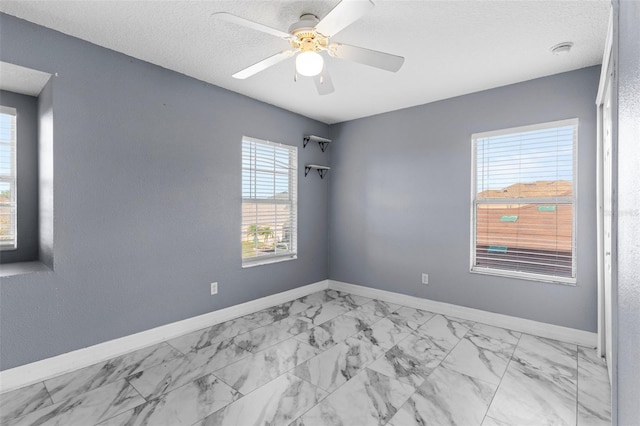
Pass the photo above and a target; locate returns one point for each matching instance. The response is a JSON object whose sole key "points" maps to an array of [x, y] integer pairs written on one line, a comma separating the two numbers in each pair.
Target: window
{"points": [[523, 202], [269, 201], [8, 210]]}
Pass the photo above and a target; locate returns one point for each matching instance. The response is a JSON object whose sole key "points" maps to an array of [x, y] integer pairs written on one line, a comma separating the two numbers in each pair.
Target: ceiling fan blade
{"points": [[374, 58], [251, 24], [343, 15], [323, 82], [263, 64]]}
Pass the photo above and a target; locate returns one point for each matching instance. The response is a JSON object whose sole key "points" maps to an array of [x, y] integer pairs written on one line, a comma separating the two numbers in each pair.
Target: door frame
{"points": [[604, 79]]}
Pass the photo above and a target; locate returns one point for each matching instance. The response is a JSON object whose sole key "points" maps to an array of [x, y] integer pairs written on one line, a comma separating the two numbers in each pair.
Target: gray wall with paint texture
{"points": [[400, 199], [147, 199]]}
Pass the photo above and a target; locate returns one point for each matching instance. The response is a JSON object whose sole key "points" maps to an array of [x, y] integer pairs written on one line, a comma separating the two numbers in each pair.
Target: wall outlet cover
{"points": [[425, 278], [214, 288]]}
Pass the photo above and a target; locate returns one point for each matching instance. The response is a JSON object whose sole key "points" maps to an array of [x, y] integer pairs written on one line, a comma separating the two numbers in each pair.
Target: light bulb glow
{"points": [[309, 64]]}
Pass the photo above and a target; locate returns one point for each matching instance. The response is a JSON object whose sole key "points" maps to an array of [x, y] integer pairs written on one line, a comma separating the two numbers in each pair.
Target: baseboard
{"points": [[47, 368], [550, 331]]}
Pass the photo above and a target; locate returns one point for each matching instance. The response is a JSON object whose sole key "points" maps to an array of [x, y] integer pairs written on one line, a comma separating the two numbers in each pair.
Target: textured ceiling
{"points": [[451, 47]]}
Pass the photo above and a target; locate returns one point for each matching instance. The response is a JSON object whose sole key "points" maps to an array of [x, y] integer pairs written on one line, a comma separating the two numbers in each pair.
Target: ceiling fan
{"points": [[309, 39]]}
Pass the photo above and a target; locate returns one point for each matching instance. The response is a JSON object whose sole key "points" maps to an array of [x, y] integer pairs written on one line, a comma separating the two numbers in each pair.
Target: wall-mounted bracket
{"points": [[322, 170], [323, 142]]}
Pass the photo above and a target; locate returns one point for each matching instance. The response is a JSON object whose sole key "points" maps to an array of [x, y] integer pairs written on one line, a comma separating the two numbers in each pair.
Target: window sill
{"points": [[259, 262], [22, 268], [571, 282]]}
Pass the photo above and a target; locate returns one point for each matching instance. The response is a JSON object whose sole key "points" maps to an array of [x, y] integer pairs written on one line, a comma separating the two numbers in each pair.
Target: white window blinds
{"points": [[8, 213], [269, 201], [524, 187]]}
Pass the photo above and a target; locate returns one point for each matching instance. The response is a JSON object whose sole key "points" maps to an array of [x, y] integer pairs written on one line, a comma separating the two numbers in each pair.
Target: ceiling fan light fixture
{"points": [[309, 64]]}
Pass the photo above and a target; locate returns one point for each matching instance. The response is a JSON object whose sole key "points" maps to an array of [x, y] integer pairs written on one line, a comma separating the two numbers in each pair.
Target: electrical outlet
{"points": [[425, 279], [214, 288]]}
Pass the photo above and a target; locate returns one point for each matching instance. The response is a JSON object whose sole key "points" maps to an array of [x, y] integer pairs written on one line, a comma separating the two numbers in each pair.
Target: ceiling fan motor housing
{"points": [[305, 37]]}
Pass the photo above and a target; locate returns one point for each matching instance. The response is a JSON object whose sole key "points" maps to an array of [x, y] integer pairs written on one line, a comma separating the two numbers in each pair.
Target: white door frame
{"points": [[604, 80]]}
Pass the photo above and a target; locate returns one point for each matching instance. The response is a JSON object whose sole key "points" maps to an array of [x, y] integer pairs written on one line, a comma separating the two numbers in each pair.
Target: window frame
{"points": [[572, 200], [292, 253], [12, 179]]}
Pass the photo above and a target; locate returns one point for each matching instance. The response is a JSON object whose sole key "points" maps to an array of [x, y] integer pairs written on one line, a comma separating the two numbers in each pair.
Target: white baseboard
{"points": [[549, 331], [47, 368]]}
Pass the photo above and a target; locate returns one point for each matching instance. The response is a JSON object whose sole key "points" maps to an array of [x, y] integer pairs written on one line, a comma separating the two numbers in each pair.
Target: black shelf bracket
{"points": [[322, 172]]}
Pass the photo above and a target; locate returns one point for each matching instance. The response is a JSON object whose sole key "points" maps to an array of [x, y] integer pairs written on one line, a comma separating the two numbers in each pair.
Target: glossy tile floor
{"points": [[330, 359]]}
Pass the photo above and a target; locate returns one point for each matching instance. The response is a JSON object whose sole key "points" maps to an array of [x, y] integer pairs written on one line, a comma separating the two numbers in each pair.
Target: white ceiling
{"points": [[451, 47]]}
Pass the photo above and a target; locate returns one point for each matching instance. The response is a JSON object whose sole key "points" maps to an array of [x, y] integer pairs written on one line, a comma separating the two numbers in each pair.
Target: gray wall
{"points": [[400, 199], [27, 179], [147, 199], [626, 358]]}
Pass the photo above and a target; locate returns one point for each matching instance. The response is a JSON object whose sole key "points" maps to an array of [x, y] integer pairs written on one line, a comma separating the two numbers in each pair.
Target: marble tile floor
{"points": [[330, 358]]}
